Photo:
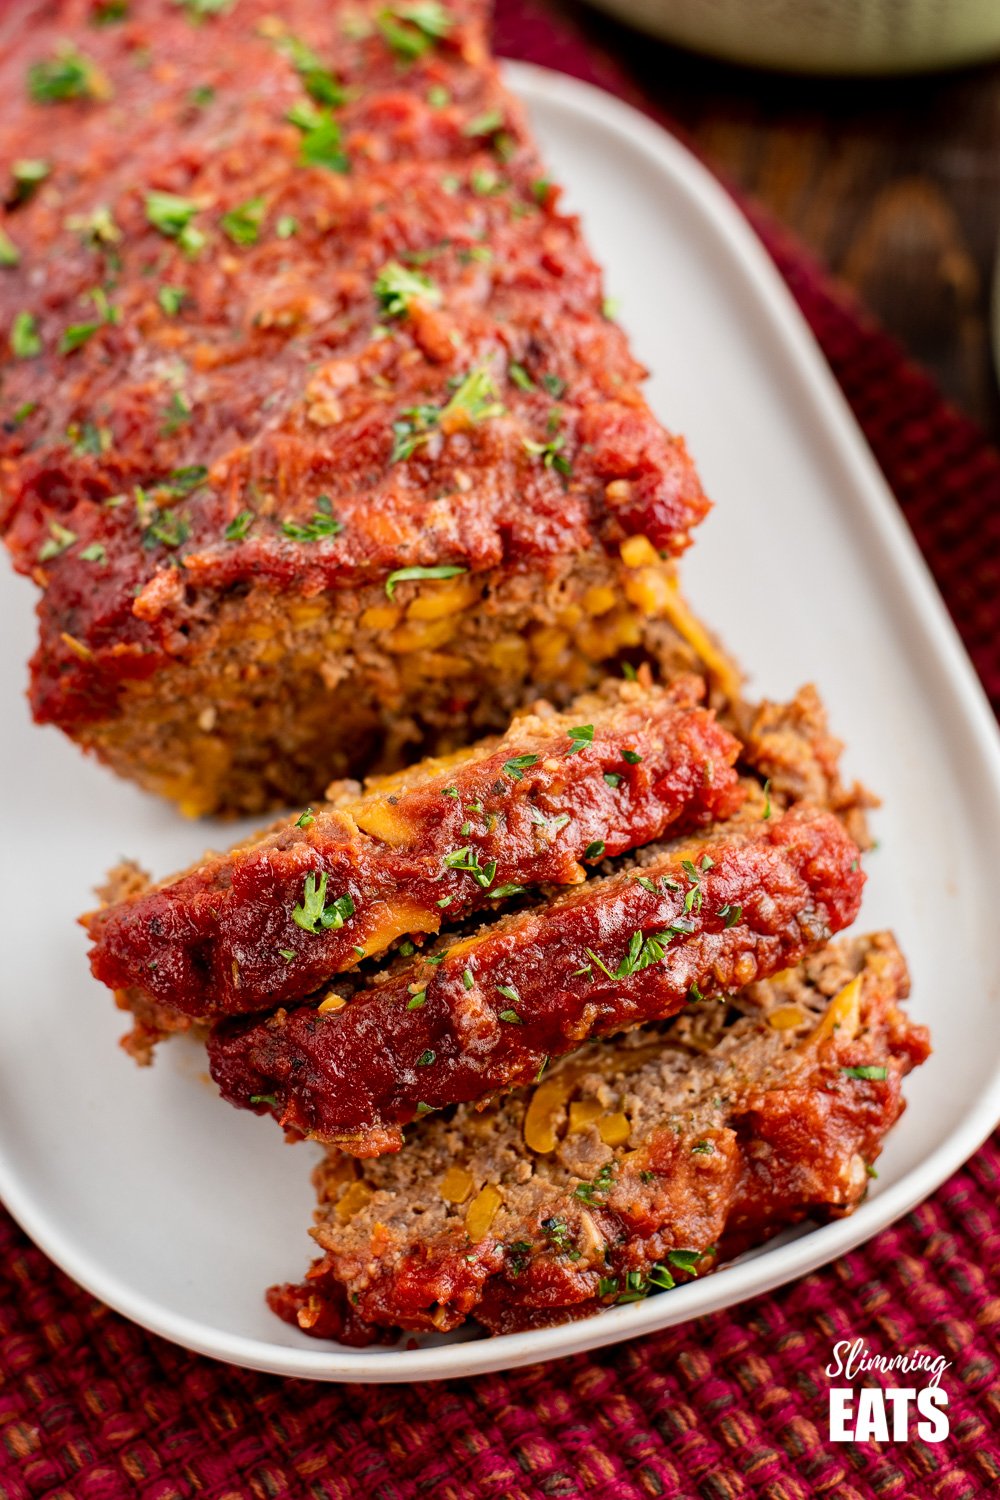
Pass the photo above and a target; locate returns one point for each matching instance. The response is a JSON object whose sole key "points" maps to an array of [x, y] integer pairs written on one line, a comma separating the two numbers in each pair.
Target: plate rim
{"points": [[946, 658]]}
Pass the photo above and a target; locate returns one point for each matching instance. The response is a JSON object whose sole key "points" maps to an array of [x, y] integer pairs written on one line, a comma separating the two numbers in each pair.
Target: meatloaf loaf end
{"points": [[487, 1012], [633, 1165], [316, 894], [316, 435]]}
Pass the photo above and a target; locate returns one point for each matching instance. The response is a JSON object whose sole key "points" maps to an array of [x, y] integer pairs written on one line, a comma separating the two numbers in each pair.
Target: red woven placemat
{"points": [[731, 1406]]}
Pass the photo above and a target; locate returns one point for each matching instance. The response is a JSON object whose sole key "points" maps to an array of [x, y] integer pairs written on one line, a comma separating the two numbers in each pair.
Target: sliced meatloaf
{"points": [[316, 436], [486, 1012], [316, 894], [635, 1164]]}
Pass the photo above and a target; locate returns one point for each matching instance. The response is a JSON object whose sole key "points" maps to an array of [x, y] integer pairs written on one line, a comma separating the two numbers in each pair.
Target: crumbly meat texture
{"points": [[635, 1164], [323, 321], [486, 1012], [313, 896]]}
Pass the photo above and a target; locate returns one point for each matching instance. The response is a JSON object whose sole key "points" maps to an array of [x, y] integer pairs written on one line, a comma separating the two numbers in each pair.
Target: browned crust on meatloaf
{"points": [[238, 932], [175, 478], [675, 1147]]}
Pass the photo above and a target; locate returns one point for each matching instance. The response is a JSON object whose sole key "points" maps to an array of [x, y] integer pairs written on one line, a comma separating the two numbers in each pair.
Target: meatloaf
{"points": [[634, 1165], [487, 1012], [318, 893], [315, 433]]}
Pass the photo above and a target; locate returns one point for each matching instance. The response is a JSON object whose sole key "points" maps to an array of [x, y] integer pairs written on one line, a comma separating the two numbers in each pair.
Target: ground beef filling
{"points": [[634, 1164]]}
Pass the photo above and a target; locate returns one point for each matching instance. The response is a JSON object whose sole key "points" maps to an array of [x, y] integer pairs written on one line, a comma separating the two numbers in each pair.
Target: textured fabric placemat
{"points": [[726, 1407]]}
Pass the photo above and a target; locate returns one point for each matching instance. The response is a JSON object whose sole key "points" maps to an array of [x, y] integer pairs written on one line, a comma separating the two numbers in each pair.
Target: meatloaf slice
{"points": [[312, 896], [635, 1164], [486, 1012], [316, 436]]}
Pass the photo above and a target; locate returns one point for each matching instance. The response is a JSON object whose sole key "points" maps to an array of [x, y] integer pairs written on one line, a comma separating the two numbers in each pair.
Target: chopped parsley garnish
{"points": [[177, 413], [486, 183], [540, 189], [306, 819], [321, 144], [501, 892], [287, 954], [511, 1016], [10, 255], [198, 10], [68, 74], [487, 123], [239, 526], [642, 952], [582, 735], [411, 30], [286, 226], [95, 553], [438, 96], [97, 229], [243, 223], [25, 341], [868, 1071], [467, 978], [322, 525], [550, 453], [703, 1148], [171, 299], [165, 529], [318, 82], [520, 377], [269, 1099], [183, 481], [607, 1286], [612, 778], [107, 12], [316, 909], [518, 764], [467, 859], [730, 913], [409, 575], [594, 850], [472, 401], [602, 1183], [425, 1059], [647, 884], [396, 287], [417, 1000], [174, 217], [28, 173], [632, 757], [556, 1231], [555, 385], [767, 799], [60, 537], [508, 991]]}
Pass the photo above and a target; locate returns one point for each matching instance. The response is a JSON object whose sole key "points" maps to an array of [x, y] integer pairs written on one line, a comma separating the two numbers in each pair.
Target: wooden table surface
{"points": [[895, 184]]}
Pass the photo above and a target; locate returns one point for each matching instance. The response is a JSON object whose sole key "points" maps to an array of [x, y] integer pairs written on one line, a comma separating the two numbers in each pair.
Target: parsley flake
{"points": [[409, 575], [395, 288], [25, 341], [518, 764], [315, 908], [243, 223], [238, 527]]}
